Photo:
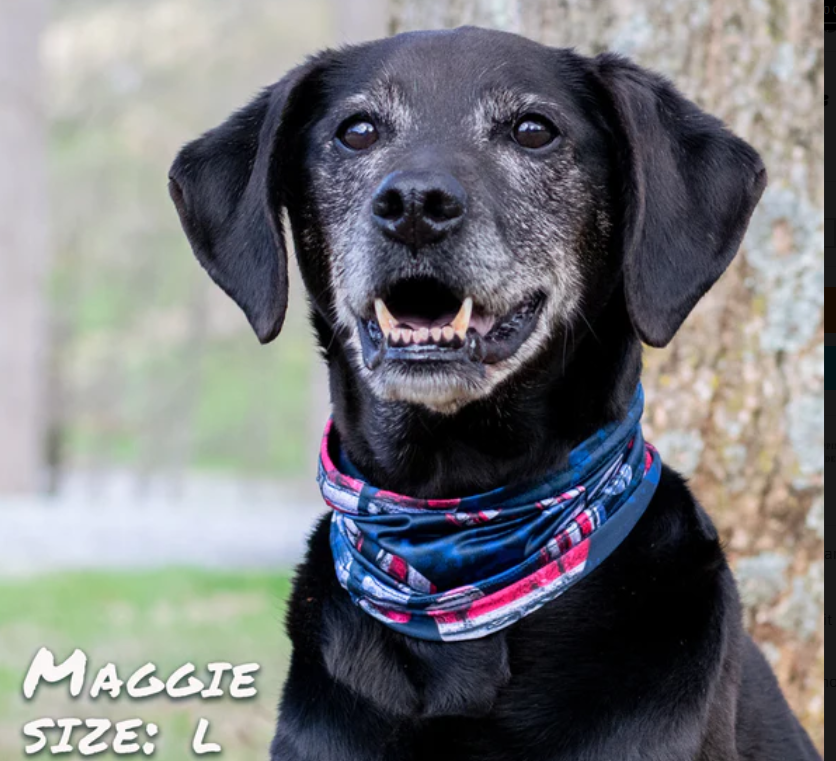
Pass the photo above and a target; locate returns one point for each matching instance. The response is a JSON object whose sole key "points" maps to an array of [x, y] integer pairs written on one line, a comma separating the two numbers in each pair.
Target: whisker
{"points": [[589, 325], [565, 341]]}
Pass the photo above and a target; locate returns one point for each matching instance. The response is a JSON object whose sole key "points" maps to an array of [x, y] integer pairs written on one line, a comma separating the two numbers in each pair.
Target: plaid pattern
{"points": [[456, 569]]}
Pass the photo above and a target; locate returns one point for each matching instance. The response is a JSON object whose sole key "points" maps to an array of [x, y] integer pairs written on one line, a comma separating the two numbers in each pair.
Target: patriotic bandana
{"points": [[458, 569]]}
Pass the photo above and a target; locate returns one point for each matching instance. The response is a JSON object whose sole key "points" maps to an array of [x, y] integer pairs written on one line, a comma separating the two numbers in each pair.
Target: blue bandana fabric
{"points": [[458, 569]]}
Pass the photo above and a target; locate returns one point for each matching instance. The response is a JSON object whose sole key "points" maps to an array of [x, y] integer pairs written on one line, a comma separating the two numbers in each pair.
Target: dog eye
{"points": [[534, 132], [357, 133]]}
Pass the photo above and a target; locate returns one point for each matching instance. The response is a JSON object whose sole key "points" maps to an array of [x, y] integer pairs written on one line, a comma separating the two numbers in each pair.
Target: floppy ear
{"points": [[689, 187], [228, 187]]}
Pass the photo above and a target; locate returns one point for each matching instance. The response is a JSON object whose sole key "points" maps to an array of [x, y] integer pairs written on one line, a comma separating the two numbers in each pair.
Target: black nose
{"points": [[419, 208]]}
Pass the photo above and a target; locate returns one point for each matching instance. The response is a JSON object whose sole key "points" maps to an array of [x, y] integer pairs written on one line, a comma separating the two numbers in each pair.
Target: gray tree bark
{"points": [[23, 247], [736, 402]]}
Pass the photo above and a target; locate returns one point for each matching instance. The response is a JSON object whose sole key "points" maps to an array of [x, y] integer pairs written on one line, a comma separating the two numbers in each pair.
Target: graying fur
{"points": [[500, 257]]}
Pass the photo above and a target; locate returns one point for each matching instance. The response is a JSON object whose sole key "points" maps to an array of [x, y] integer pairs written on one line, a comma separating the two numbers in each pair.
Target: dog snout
{"points": [[419, 208]]}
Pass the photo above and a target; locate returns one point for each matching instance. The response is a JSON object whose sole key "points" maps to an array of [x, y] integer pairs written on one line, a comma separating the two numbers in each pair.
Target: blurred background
{"points": [[157, 464]]}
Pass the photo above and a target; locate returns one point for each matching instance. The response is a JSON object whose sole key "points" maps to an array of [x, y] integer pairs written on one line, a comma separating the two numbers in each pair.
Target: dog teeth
{"points": [[461, 322], [384, 317], [404, 335]]}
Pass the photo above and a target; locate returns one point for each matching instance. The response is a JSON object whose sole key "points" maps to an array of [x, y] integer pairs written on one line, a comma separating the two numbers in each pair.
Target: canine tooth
{"points": [[436, 335], [384, 317], [447, 333], [421, 336], [461, 322]]}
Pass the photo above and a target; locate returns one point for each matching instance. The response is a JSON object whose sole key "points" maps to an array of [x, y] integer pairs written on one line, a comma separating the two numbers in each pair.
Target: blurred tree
{"points": [[736, 402], [23, 247], [157, 374]]}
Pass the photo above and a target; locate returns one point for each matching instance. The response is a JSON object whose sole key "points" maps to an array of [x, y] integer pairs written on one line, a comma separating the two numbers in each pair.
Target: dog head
{"points": [[459, 200]]}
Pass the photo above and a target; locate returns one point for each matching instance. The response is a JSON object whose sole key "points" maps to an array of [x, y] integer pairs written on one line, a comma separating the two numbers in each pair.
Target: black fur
{"points": [[646, 659]]}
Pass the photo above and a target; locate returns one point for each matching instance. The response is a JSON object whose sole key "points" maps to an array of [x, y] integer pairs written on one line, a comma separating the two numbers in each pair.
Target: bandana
{"points": [[458, 569]]}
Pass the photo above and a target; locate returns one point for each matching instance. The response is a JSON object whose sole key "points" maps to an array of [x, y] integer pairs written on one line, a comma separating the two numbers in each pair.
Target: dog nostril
{"points": [[388, 205], [418, 208], [440, 206]]}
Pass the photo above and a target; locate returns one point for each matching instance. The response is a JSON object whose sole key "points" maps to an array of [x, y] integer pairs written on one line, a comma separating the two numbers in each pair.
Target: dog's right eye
{"points": [[534, 132], [357, 133]]}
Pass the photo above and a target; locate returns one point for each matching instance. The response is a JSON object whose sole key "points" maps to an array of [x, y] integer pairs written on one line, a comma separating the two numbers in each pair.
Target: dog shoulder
{"points": [[313, 584], [398, 675]]}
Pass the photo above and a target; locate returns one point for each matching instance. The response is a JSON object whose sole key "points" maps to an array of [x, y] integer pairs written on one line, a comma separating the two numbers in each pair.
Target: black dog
{"points": [[582, 206]]}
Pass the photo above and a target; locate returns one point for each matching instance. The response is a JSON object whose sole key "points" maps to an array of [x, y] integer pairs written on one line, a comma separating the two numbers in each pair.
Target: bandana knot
{"points": [[462, 568]]}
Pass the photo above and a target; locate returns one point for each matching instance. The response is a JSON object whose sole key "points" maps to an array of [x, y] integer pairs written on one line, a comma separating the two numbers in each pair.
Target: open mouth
{"points": [[421, 320]]}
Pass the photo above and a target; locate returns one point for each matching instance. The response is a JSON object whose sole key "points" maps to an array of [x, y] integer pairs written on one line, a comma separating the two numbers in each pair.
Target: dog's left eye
{"points": [[533, 131], [357, 133]]}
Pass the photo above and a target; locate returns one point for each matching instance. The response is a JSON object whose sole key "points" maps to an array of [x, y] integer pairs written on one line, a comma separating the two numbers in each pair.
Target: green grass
{"points": [[170, 618]]}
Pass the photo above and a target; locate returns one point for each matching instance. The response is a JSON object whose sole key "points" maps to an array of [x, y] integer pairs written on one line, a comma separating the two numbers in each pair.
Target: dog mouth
{"points": [[420, 320]]}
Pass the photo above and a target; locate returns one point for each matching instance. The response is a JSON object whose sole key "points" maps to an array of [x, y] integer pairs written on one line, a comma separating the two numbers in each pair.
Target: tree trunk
{"points": [[737, 401], [23, 247]]}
